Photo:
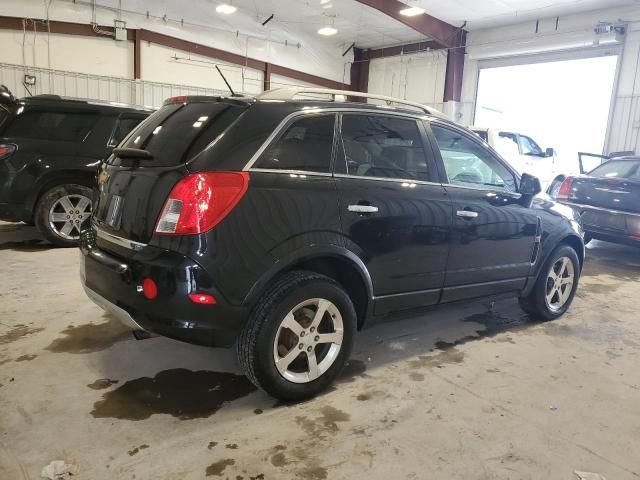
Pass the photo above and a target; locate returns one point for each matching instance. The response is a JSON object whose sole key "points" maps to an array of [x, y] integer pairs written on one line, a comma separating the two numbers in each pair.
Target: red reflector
{"points": [[149, 289], [6, 151], [565, 188], [200, 201], [202, 298]]}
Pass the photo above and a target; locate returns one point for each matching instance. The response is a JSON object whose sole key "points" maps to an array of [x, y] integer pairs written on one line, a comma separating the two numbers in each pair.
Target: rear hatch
{"points": [[135, 181], [614, 185]]}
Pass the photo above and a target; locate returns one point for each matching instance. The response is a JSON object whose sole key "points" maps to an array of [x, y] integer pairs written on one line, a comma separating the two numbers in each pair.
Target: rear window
{"points": [[49, 125], [178, 132], [123, 127], [629, 169]]}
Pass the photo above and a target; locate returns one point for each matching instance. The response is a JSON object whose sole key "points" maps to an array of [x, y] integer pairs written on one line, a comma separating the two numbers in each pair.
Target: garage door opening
{"points": [[561, 104]]}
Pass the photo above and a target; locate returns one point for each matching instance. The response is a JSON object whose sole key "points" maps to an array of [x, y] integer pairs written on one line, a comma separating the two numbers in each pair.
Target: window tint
{"points": [[468, 163], [380, 146], [44, 125], [178, 132], [618, 169], [305, 145], [529, 147], [123, 127]]}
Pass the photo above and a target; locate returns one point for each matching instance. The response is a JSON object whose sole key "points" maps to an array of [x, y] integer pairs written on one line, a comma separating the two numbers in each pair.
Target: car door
{"points": [[494, 232], [395, 213]]}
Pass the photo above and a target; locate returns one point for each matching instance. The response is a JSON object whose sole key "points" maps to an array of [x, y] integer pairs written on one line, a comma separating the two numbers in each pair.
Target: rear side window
{"points": [[46, 125], [381, 146], [178, 132], [305, 145], [123, 127]]}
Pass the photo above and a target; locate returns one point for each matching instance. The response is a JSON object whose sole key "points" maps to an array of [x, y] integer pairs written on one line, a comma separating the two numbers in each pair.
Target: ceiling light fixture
{"points": [[412, 11], [329, 29], [226, 9]]}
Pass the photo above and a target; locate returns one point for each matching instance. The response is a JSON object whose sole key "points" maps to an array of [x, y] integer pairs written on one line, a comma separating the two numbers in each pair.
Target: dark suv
{"points": [[283, 226], [50, 149]]}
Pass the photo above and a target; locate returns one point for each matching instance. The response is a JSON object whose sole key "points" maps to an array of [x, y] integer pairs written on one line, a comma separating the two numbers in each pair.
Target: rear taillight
{"points": [[565, 189], [6, 150], [200, 201]]}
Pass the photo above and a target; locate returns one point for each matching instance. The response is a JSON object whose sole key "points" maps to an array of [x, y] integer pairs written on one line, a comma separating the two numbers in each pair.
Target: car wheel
{"points": [[299, 336], [555, 286], [61, 212]]}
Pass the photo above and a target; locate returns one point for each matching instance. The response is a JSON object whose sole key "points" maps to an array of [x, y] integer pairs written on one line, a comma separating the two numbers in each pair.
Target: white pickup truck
{"points": [[522, 152]]}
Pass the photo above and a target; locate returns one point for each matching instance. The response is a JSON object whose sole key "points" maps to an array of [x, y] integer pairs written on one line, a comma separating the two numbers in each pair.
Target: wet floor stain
{"points": [[231, 446], [91, 337], [313, 473], [211, 445], [416, 377], [363, 397], [216, 469], [25, 358], [257, 411], [17, 332], [278, 457], [137, 449], [327, 423], [7, 360], [26, 246], [449, 355], [102, 383], [179, 392], [606, 333]]}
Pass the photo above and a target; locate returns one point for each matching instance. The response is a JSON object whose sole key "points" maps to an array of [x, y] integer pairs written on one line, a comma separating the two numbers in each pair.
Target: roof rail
{"points": [[290, 92]]}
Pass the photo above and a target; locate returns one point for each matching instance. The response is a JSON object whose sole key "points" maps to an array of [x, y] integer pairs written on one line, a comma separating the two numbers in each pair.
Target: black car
{"points": [[607, 199], [283, 226], [50, 149]]}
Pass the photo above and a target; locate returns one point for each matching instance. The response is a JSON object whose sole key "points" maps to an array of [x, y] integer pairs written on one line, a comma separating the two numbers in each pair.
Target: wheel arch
{"points": [[58, 178], [336, 262], [577, 244]]}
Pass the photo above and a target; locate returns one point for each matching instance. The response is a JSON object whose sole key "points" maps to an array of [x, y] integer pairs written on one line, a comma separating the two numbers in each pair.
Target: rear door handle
{"points": [[467, 214], [362, 208]]}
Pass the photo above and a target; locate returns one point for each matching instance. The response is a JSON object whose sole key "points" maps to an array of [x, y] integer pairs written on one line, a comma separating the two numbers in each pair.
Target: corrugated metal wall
{"points": [[96, 87]]}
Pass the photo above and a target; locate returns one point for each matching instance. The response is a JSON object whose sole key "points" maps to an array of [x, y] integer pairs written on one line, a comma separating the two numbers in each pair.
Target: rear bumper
{"points": [[113, 282], [609, 224]]}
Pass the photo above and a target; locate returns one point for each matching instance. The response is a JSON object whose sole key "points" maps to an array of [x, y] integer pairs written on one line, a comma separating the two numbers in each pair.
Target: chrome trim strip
{"points": [[383, 179], [313, 111], [300, 173], [515, 195], [119, 313], [123, 242], [600, 209]]}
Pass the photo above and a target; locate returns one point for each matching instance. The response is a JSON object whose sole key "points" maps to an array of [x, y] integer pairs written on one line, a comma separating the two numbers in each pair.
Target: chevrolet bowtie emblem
{"points": [[103, 177]]}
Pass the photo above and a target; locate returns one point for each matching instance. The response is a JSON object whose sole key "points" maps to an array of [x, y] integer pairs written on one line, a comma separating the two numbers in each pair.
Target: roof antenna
{"points": [[233, 94]]}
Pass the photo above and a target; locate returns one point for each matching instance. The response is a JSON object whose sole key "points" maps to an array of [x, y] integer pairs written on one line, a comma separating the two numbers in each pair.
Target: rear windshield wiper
{"points": [[132, 153]]}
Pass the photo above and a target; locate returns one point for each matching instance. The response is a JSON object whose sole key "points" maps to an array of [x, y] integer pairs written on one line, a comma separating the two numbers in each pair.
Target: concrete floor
{"points": [[460, 393]]}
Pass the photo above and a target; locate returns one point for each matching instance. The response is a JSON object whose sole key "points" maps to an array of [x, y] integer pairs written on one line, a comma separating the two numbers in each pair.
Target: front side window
{"points": [[530, 147], [45, 125], [305, 145], [383, 146], [469, 163]]}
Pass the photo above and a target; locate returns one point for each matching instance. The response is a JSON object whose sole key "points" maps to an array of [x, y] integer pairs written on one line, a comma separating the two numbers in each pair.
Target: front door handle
{"points": [[467, 214], [362, 208]]}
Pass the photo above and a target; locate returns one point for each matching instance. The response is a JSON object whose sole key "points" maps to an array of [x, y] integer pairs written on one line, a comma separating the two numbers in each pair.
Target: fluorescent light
{"points": [[412, 11], [226, 9], [327, 31]]}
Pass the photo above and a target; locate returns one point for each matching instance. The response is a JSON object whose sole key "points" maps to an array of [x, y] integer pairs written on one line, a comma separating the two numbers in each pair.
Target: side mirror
{"points": [[529, 185], [550, 152]]}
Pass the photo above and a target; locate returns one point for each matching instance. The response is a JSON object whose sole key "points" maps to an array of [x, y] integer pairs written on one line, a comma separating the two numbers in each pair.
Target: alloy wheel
{"points": [[559, 283], [67, 215], [308, 340]]}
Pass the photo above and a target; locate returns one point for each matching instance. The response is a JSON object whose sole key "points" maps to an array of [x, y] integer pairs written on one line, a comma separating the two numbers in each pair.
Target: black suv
{"points": [[283, 226], [50, 149]]}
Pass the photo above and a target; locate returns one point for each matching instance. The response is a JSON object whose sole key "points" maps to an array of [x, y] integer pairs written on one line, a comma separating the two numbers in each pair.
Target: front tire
{"points": [[61, 212], [555, 286], [299, 336]]}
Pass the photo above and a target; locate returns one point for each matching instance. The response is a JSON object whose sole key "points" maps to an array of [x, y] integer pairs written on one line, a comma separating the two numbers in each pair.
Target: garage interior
{"points": [[476, 390]]}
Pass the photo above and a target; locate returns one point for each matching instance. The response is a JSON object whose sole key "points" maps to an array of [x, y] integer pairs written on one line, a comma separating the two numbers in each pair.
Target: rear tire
{"points": [[61, 212], [555, 286], [286, 348]]}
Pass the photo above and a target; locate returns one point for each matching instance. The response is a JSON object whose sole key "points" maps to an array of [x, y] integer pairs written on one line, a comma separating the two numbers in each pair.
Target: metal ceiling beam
{"points": [[416, 47], [441, 32]]}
